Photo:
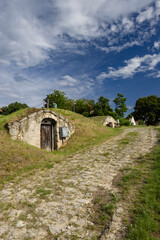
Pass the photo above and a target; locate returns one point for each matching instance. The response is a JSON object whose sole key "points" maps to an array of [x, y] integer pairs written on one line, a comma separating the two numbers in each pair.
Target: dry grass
{"points": [[17, 157], [99, 119]]}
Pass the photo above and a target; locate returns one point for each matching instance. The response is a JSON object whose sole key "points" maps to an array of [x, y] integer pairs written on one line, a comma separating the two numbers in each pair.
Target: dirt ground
{"points": [[58, 203]]}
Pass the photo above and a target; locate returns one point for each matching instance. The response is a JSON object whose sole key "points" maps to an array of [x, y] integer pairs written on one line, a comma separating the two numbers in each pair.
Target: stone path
{"points": [[57, 203]]}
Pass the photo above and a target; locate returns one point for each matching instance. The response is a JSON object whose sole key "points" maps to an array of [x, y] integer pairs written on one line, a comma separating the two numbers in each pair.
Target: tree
{"points": [[102, 108], [57, 97], [70, 105], [121, 107], [147, 109], [13, 107], [85, 107]]}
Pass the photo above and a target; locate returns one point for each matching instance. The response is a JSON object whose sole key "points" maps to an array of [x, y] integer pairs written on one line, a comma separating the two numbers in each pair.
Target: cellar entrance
{"points": [[48, 134]]}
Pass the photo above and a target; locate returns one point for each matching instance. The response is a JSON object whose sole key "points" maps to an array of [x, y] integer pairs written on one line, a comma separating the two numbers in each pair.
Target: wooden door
{"points": [[46, 137]]}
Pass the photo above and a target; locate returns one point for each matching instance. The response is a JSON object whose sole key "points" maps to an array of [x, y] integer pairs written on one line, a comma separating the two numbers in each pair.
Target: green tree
{"points": [[84, 106], [13, 107], [147, 109], [120, 103], [102, 108], [70, 105], [57, 97]]}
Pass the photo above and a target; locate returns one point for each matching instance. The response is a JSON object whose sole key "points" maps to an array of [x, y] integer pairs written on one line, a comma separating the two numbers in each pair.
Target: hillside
{"points": [[17, 157], [98, 119]]}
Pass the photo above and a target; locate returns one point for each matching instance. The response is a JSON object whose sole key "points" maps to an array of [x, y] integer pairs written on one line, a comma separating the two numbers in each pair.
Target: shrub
{"points": [[141, 122], [13, 107], [124, 122]]}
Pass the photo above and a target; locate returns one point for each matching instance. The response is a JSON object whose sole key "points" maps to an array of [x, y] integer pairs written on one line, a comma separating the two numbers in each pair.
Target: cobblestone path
{"points": [[57, 203]]}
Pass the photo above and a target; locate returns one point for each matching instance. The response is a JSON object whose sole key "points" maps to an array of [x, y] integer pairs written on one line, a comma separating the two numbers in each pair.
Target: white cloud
{"points": [[77, 87], [29, 29], [124, 72], [146, 15], [158, 74], [119, 48], [153, 60], [127, 24], [157, 3], [156, 45], [132, 66], [68, 81], [33, 90]]}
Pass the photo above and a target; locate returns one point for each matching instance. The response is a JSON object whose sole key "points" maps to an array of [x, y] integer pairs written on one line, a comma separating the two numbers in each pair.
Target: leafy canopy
{"points": [[102, 108], [60, 99], [83, 106], [148, 109], [120, 103], [13, 107]]}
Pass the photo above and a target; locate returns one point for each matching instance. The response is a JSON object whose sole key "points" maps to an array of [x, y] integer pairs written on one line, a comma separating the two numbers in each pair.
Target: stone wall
{"points": [[28, 129]]}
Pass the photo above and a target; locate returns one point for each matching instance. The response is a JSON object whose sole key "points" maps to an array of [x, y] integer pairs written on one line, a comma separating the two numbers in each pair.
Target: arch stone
{"points": [[28, 129]]}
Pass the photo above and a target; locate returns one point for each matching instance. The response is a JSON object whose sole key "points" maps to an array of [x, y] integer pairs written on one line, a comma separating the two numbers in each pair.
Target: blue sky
{"points": [[86, 48]]}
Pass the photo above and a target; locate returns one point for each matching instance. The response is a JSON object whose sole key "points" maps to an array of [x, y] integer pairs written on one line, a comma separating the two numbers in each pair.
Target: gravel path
{"points": [[57, 203]]}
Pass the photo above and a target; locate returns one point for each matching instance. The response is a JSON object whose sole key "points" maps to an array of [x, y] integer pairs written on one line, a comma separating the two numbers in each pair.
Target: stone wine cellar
{"points": [[43, 129]]}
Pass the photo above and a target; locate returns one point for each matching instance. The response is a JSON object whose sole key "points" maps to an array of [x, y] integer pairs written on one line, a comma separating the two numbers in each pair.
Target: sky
{"points": [[86, 48]]}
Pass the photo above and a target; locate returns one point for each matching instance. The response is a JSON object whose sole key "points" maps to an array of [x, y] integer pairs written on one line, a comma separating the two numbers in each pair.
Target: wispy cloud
{"points": [[29, 30], [119, 48], [147, 14], [132, 66], [157, 3], [68, 81], [156, 45]]}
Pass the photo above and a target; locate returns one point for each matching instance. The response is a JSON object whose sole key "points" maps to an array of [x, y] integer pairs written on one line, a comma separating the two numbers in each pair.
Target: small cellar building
{"points": [[43, 129]]}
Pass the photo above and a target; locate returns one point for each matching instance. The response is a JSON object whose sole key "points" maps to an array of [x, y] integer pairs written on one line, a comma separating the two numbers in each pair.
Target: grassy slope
{"points": [[99, 119], [17, 157], [146, 211]]}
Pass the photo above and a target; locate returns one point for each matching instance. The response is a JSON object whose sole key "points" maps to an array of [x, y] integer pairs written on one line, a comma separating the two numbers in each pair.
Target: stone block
{"points": [[46, 111], [23, 119], [32, 115]]}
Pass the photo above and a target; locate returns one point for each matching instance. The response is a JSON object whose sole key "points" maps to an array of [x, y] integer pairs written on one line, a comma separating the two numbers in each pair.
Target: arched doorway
{"points": [[48, 134]]}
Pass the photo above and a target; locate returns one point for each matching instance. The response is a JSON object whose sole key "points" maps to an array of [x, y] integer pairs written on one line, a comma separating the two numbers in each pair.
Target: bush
{"points": [[141, 122], [13, 107], [124, 122], [85, 114]]}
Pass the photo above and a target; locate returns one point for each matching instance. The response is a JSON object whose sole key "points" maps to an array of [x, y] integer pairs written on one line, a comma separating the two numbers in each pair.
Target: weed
{"points": [[91, 227], [133, 134], [129, 178], [103, 207], [129, 138], [124, 142], [23, 217], [49, 165], [74, 237], [43, 192], [97, 200], [6, 207], [106, 154]]}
